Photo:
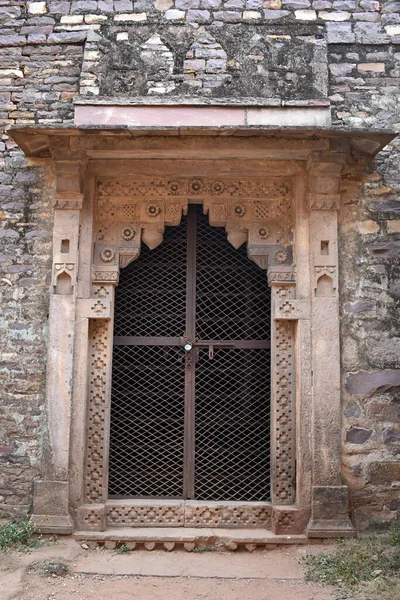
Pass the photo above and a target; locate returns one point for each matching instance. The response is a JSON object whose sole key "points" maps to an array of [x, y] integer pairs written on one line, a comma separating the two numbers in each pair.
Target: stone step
{"points": [[190, 539]]}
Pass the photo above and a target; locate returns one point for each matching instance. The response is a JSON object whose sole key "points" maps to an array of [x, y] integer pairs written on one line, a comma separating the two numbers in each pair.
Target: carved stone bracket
{"points": [[325, 179], [70, 169]]}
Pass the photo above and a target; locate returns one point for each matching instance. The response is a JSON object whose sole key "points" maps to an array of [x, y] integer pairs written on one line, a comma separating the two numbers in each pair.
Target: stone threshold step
{"points": [[190, 539]]}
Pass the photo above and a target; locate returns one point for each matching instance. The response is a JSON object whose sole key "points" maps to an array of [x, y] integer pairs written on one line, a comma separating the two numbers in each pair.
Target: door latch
{"points": [[210, 352]]}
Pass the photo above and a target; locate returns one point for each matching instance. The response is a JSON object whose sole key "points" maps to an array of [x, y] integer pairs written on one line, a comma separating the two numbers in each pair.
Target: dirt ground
{"points": [[158, 575]]}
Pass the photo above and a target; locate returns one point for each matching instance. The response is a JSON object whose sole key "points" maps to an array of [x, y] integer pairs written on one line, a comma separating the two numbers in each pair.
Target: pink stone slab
{"points": [[160, 116]]}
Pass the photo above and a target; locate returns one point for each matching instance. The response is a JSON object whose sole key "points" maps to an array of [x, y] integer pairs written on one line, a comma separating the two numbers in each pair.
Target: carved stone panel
{"points": [[99, 334], [145, 514], [167, 513], [284, 485], [257, 210], [227, 514]]}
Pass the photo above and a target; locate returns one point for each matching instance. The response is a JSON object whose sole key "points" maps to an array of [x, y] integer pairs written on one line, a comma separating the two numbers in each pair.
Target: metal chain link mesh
{"points": [[232, 459], [147, 422], [232, 394]]}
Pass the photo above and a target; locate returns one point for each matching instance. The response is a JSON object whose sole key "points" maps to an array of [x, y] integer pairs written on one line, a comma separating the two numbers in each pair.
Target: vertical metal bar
{"points": [[188, 479]]}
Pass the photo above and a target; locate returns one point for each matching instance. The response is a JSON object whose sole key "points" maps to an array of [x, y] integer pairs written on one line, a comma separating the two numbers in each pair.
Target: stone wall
{"points": [[301, 50]]}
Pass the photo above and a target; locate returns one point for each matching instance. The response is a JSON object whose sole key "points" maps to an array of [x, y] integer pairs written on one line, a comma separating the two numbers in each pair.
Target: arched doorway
{"points": [[190, 405]]}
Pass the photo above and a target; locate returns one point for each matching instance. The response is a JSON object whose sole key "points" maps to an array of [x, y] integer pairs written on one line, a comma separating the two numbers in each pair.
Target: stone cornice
{"points": [[286, 142]]}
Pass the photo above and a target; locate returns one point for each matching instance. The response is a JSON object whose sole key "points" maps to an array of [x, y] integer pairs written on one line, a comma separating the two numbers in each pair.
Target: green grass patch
{"points": [[368, 566], [18, 534]]}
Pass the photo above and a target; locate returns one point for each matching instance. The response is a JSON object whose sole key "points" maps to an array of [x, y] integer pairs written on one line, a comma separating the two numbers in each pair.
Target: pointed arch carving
{"points": [[130, 211]]}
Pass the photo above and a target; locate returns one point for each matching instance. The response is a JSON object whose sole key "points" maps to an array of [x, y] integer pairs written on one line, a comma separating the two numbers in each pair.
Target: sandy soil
{"points": [[158, 575], [96, 587]]}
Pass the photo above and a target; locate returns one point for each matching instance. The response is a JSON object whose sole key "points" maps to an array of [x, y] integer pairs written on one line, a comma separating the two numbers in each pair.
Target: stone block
{"points": [[366, 16], [228, 15], [200, 16], [340, 33], [344, 5], [234, 4], [393, 226], [50, 507], [106, 6], [37, 8], [330, 513], [274, 15], [391, 436], [187, 4], [123, 5], [305, 15], [384, 473], [83, 6], [251, 15], [59, 8], [359, 306], [370, 5], [133, 17], [370, 383], [67, 37], [334, 16], [296, 4], [194, 65], [358, 435], [90, 517], [370, 33], [289, 520], [254, 4], [175, 15]]}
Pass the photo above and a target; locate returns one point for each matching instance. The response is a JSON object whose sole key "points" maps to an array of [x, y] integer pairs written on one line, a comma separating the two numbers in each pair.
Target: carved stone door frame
{"points": [[308, 494]]}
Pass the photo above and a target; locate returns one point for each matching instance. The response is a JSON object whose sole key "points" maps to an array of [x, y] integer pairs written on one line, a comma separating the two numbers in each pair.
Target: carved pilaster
{"points": [[283, 388], [51, 494], [330, 516]]}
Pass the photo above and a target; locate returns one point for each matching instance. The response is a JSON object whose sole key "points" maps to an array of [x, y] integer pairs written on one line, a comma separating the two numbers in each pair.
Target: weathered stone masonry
{"points": [[343, 52]]}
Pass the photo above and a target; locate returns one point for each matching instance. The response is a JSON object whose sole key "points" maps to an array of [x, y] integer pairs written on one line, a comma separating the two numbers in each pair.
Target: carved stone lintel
{"points": [[281, 276], [256, 209]]}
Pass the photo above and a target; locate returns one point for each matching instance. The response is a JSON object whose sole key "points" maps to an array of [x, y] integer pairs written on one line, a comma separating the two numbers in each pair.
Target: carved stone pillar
{"points": [[51, 492], [330, 507]]}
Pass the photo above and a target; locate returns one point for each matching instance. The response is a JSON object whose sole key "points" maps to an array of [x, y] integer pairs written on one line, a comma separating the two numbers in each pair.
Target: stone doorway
{"points": [[190, 399], [277, 194]]}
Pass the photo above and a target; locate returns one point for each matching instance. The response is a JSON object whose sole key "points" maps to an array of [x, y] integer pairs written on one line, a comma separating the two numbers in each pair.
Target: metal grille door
{"points": [[190, 404]]}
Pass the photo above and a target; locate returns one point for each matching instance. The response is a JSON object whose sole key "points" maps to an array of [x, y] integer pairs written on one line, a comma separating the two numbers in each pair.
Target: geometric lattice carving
{"points": [[142, 515], [227, 515], [244, 206], [286, 521], [284, 406], [139, 513], [98, 359], [233, 187]]}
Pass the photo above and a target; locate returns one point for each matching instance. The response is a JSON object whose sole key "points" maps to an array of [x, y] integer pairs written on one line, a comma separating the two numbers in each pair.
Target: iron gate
{"points": [[190, 405]]}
